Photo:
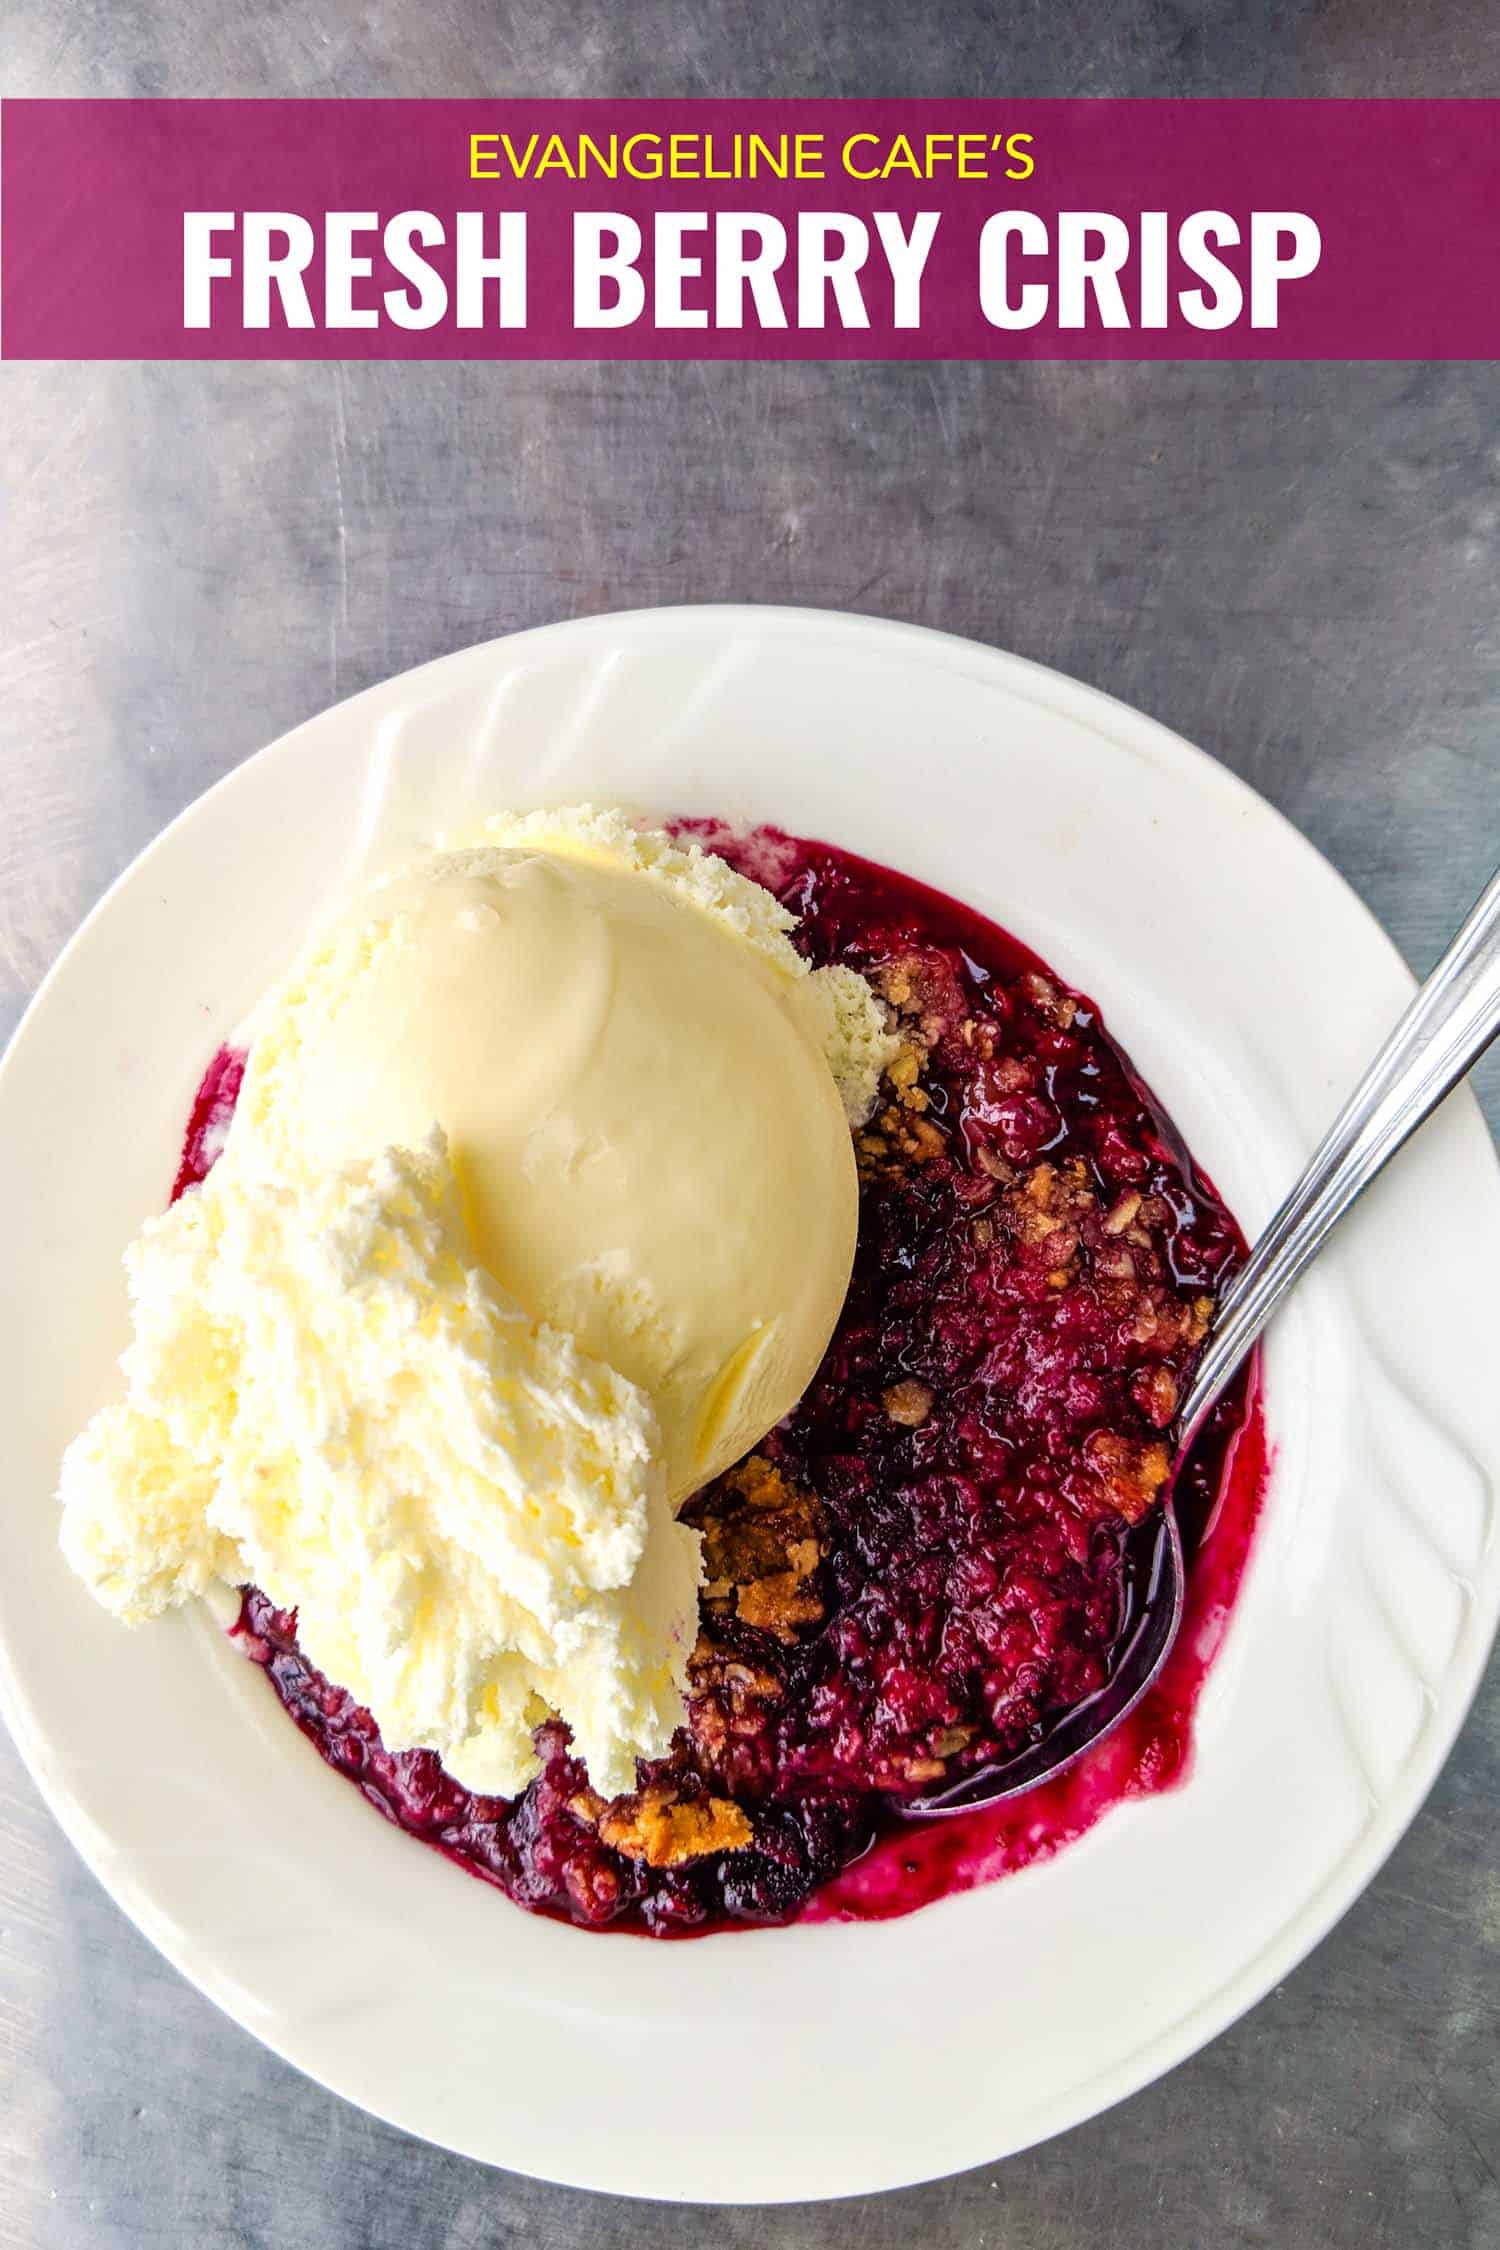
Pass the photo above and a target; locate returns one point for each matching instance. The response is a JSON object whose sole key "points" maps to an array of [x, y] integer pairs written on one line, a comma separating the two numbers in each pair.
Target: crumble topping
{"points": [[909, 1402], [762, 1543], [731, 1714], [666, 1830], [1131, 1472]]}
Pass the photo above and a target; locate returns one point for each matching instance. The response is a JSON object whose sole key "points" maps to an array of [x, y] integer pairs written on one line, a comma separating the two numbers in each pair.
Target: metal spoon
{"points": [[1438, 1040]]}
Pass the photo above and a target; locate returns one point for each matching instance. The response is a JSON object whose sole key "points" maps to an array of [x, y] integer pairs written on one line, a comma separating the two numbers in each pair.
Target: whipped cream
{"points": [[327, 1396]]}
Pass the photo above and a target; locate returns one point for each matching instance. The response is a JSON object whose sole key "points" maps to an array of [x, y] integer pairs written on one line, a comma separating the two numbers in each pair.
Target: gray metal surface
{"points": [[1295, 566]]}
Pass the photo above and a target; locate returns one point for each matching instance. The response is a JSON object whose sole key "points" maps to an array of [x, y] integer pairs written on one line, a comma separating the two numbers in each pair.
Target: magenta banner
{"points": [[749, 230]]}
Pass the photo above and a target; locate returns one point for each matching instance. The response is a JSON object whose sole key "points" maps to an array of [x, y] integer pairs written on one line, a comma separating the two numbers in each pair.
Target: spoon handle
{"points": [[1444, 1031]]}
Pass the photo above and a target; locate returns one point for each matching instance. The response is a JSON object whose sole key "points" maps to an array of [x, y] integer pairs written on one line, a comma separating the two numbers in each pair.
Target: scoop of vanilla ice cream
{"points": [[326, 1395], [632, 1069]]}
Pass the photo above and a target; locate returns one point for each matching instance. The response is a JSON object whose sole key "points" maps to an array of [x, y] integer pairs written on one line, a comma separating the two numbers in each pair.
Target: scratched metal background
{"points": [[1295, 566]]}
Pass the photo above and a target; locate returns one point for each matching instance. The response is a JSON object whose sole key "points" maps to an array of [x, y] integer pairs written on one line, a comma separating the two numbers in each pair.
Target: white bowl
{"points": [[1249, 985]]}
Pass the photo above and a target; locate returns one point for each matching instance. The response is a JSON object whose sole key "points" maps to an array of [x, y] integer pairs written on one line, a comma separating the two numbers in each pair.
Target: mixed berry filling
{"points": [[929, 1562]]}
